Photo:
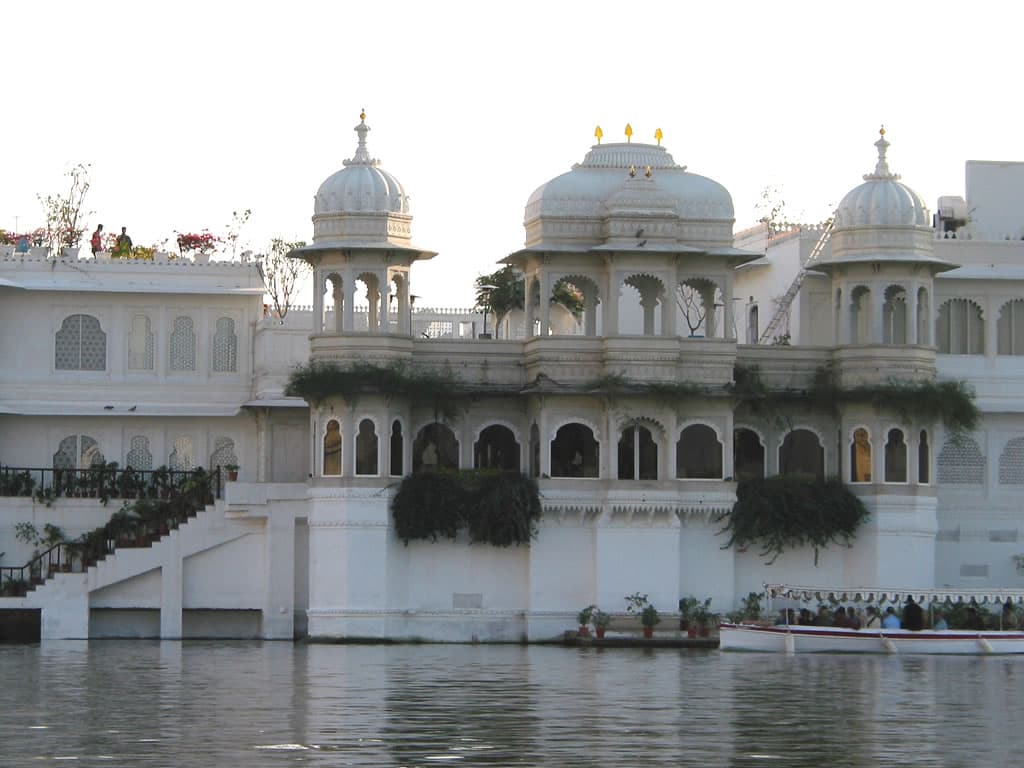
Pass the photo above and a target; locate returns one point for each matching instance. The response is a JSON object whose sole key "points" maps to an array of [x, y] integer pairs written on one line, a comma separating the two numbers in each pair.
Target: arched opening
{"points": [[574, 452], [753, 327], [924, 471], [924, 325], [747, 454], [496, 449], [802, 453], [397, 448], [366, 448], [334, 311], [78, 452], [80, 345], [860, 456], [435, 447], [182, 458], [640, 297], [332, 449], [895, 457], [860, 315], [696, 301], [638, 453], [698, 454], [1010, 328], [894, 315], [960, 328], [534, 451]]}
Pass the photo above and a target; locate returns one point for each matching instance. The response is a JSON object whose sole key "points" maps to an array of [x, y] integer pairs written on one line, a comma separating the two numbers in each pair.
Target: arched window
{"points": [[895, 457], [959, 328], [182, 457], [747, 454], [139, 457], [397, 448], [575, 452], [1010, 328], [638, 454], [496, 449], [1011, 463], [435, 447], [332, 449], [924, 459], [182, 355], [961, 462], [366, 448], [753, 331], [225, 346], [698, 454], [860, 456], [80, 345], [78, 452], [223, 455], [140, 344], [801, 453]]}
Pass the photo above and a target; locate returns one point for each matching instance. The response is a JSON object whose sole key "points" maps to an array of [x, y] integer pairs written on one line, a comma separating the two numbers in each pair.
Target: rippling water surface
{"points": [[113, 703]]}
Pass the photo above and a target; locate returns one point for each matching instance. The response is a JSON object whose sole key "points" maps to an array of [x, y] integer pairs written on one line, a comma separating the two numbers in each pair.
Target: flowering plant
{"points": [[70, 236], [202, 242]]}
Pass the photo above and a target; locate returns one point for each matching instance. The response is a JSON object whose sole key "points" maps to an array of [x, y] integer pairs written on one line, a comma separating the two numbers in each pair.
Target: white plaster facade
{"points": [[176, 360]]}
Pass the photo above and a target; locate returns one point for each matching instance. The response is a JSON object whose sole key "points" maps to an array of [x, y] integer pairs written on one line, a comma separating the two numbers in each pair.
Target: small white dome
{"points": [[362, 186], [882, 200]]}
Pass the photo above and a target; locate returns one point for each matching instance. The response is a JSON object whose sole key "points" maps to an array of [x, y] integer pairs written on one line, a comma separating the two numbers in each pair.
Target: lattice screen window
{"points": [[140, 344], [182, 457], [183, 345], [78, 452], [223, 455], [139, 455], [225, 346], [961, 464], [1010, 328], [81, 345], [1011, 463]]}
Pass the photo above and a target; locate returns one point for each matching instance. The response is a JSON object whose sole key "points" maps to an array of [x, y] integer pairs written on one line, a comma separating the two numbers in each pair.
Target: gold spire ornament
{"points": [[658, 136], [881, 131], [362, 114], [647, 171], [629, 132], [599, 134], [632, 171]]}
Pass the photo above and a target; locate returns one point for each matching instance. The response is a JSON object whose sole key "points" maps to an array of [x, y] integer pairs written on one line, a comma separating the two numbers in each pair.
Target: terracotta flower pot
{"points": [[691, 632], [648, 632], [584, 631], [599, 631]]}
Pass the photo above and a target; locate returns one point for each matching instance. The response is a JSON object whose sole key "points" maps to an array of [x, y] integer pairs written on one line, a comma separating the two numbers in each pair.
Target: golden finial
{"points": [[647, 171], [362, 114], [599, 134], [629, 132], [881, 131], [658, 135], [632, 171]]}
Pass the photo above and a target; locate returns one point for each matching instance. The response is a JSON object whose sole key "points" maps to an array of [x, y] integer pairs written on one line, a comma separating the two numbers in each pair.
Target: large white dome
{"points": [[633, 181], [362, 186], [882, 200]]}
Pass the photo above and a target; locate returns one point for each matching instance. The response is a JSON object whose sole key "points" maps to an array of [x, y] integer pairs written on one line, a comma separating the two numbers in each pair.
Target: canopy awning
{"points": [[894, 595]]}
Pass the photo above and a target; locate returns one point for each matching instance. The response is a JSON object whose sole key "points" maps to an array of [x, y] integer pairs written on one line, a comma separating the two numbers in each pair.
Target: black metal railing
{"points": [[155, 502]]}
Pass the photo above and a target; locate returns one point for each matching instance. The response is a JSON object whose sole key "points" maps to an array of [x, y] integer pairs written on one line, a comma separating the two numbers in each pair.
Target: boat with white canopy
{"points": [[795, 638]]}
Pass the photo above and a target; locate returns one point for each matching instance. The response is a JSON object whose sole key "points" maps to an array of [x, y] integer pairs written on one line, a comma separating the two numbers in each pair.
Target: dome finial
{"points": [[882, 166], [658, 136], [598, 134], [362, 155], [629, 133]]}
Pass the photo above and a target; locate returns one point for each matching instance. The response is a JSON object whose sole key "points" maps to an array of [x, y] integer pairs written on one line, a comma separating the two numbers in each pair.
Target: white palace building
{"points": [[174, 362]]}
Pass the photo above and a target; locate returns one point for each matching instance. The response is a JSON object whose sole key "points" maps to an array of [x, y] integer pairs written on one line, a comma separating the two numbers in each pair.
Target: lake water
{"points": [[213, 704]]}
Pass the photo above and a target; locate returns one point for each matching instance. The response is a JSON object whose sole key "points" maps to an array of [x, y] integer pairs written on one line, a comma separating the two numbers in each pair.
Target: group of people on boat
{"points": [[913, 618]]}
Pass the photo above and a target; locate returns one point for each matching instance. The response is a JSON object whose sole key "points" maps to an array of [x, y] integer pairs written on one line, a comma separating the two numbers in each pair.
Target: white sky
{"points": [[188, 111]]}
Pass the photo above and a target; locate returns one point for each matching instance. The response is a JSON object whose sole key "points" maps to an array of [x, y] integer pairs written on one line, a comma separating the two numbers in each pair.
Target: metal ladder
{"points": [[782, 310]]}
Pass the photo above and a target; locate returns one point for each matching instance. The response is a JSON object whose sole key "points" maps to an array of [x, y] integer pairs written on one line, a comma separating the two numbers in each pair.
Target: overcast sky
{"points": [[187, 111]]}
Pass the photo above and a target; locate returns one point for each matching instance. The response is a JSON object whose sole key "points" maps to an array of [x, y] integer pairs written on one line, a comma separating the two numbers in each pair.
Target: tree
{"points": [[281, 273], [65, 214], [505, 290], [691, 304], [238, 220]]}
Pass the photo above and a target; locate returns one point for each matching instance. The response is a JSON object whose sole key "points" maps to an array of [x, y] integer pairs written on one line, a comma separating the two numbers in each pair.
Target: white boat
{"points": [[811, 639]]}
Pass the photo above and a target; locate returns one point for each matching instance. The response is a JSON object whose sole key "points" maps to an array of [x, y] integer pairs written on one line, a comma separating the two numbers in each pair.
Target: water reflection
{"points": [[227, 704]]}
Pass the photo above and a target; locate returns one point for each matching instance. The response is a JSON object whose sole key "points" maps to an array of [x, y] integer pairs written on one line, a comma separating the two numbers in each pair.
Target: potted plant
{"points": [[232, 470], [601, 621], [703, 617], [199, 244], [583, 619], [687, 605], [640, 606]]}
